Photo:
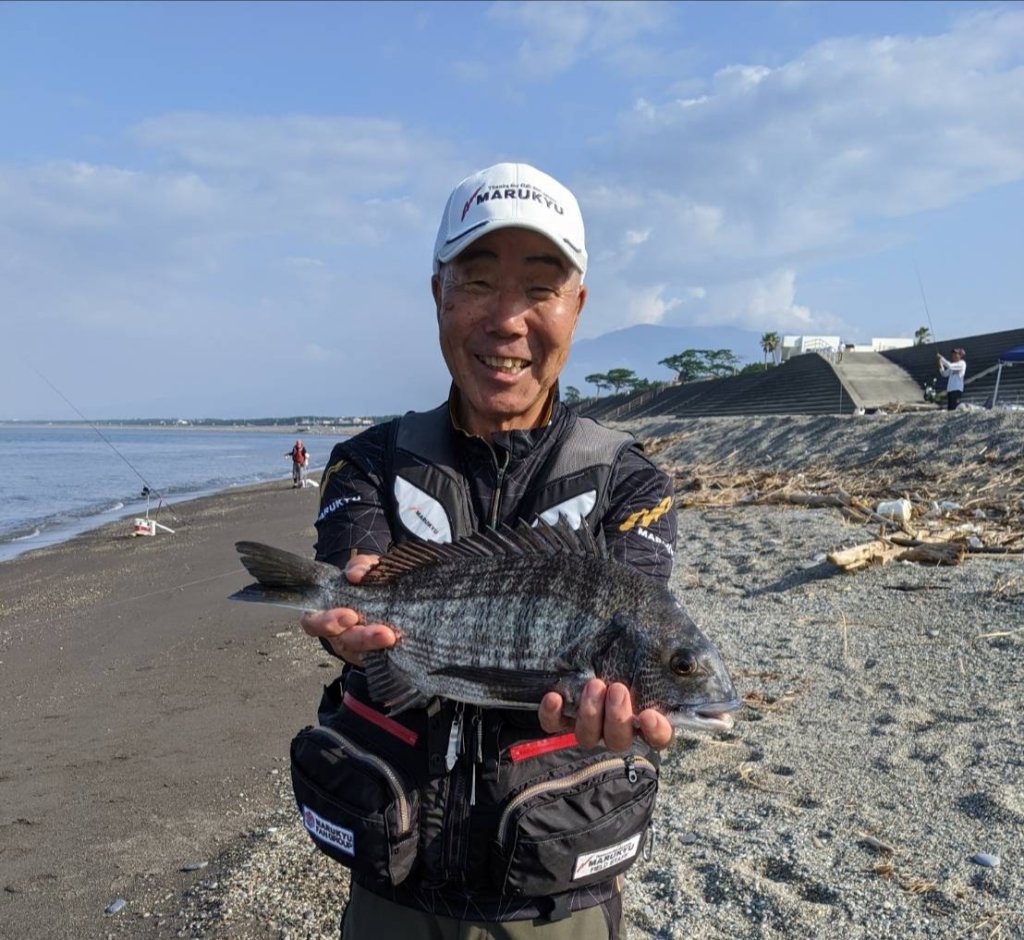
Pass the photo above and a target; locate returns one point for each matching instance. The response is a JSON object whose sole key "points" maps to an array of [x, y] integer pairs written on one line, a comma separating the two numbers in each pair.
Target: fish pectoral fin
{"points": [[570, 687], [508, 685], [388, 686], [595, 641]]}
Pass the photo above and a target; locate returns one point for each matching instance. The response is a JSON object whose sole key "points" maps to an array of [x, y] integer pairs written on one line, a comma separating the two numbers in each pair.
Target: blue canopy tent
{"points": [[1007, 358]]}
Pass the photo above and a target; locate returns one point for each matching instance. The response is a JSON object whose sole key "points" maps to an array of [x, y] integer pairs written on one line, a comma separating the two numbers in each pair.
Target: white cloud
{"points": [[771, 169], [559, 33]]}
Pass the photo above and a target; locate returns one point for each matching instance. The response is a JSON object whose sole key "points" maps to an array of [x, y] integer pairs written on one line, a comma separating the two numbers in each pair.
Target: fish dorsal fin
{"points": [[540, 539]]}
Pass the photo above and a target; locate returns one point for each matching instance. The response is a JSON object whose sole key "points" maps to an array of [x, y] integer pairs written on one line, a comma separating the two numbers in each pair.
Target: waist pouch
{"points": [[582, 824], [356, 807], [519, 814]]}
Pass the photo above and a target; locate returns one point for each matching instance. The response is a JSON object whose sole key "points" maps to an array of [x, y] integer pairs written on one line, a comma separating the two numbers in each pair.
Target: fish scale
{"points": [[503, 617]]}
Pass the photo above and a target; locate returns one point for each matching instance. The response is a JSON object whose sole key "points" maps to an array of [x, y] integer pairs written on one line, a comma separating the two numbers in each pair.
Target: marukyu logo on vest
{"points": [[420, 513], [323, 830], [591, 863]]}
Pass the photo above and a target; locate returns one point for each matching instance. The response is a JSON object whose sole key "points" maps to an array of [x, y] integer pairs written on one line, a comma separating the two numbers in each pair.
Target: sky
{"points": [[228, 209]]}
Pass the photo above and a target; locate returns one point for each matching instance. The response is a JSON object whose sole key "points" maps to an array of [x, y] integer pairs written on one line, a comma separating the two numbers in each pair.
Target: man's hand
{"points": [[343, 628], [605, 711]]}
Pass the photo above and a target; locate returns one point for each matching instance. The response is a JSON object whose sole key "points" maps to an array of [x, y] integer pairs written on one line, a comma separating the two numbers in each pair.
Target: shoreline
{"points": [[19, 546]]}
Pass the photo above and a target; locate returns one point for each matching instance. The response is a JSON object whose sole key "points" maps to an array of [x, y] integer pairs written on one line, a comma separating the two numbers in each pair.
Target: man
{"points": [[953, 370], [299, 460], [509, 264]]}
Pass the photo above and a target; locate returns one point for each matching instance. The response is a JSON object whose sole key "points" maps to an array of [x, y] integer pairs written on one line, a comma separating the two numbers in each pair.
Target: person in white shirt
{"points": [[953, 369]]}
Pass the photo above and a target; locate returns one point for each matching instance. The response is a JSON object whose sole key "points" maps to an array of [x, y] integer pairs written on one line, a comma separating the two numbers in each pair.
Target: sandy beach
{"points": [[873, 785]]}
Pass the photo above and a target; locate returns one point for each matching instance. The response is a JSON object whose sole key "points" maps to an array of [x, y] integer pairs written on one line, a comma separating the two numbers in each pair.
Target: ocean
{"points": [[57, 482]]}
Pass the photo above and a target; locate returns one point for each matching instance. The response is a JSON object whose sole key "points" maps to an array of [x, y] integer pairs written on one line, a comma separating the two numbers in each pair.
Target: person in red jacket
{"points": [[299, 461]]}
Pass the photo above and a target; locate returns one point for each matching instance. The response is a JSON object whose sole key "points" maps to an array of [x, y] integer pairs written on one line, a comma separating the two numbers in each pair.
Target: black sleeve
{"points": [[352, 500], [640, 525]]}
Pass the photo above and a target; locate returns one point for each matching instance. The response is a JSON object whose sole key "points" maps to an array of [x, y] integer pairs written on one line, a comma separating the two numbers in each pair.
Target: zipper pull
{"points": [[472, 784], [454, 739], [630, 769]]}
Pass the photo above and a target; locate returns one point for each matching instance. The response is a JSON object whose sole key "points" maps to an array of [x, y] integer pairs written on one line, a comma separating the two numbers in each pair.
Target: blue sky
{"points": [[228, 209]]}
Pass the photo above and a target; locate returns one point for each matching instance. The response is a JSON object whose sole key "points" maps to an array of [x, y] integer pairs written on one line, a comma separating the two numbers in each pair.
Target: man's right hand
{"points": [[343, 628]]}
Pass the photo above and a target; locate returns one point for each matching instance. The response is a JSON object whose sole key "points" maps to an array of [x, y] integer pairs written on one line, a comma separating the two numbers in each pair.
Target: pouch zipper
{"points": [[629, 763], [382, 766]]}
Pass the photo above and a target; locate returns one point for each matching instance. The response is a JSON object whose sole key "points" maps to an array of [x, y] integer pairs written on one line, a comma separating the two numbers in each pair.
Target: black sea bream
{"points": [[503, 617]]}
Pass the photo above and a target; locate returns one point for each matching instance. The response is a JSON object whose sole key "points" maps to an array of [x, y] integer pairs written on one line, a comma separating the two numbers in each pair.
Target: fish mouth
{"points": [[712, 717], [507, 365]]}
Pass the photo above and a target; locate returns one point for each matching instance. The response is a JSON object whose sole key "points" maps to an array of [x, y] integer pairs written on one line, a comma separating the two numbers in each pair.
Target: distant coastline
{"points": [[345, 429]]}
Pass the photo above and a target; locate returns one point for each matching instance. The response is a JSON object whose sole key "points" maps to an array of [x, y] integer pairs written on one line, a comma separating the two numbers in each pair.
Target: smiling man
{"points": [[509, 265]]}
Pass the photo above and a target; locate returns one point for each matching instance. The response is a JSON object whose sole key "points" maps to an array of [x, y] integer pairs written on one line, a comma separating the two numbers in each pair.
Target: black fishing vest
{"points": [[429, 497]]}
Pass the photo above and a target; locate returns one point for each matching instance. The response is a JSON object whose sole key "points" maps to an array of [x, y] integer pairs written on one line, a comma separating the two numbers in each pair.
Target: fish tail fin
{"points": [[388, 686], [284, 578]]}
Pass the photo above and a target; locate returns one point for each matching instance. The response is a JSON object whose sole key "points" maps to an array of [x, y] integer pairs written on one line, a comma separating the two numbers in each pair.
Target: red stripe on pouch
{"points": [[389, 725], [529, 749]]}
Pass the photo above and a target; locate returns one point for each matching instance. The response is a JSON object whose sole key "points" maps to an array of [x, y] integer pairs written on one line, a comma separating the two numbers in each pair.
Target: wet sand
{"points": [[145, 716]]}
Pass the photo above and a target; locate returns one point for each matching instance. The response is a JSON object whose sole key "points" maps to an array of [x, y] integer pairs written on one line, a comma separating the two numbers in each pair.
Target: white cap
{"points": [[513, 195]]}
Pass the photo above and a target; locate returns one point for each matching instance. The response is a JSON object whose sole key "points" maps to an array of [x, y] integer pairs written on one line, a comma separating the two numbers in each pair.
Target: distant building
{"points": [[831, 346]]}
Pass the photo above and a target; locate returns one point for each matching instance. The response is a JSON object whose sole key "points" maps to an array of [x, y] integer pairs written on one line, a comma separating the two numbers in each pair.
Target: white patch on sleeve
{"points": [[420, 513], [323, 830], [590, 863], [575, 510]]}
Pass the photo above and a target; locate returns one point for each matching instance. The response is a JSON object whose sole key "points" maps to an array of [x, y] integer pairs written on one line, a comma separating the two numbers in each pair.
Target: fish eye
{"points": [[683, 663]]}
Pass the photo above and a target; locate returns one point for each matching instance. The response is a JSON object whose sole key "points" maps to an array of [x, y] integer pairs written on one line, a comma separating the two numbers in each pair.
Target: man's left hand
{"points": [[605, 711]]}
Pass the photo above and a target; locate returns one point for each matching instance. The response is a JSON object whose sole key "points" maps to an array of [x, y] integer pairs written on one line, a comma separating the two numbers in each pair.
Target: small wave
{"points": [[118, 505], [34, 534]]}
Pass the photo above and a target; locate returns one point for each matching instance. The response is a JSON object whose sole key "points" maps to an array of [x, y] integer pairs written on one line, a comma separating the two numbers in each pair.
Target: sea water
{"points": [[56, 482]]}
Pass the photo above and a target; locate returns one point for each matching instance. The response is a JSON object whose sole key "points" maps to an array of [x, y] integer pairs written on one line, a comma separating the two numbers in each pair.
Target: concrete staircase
{"points": [[875, 382]]}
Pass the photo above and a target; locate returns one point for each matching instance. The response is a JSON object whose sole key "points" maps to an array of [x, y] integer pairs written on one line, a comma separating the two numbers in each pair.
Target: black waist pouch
{"points": [[357, 805], [582, 823]]}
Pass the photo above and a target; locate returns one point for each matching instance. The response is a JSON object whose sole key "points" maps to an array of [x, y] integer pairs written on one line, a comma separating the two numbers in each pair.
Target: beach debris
{"points": [[877, 844], [194, 866], [503, 617], [985, 860], [114, 906], [896, 509]]}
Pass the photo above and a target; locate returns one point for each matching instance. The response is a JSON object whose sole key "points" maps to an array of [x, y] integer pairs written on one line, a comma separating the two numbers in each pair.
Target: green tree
{"points": [[720, 362], [769, 343], [599, 379], [689, 365], [621, 378], [572, 395], [922, 335]]}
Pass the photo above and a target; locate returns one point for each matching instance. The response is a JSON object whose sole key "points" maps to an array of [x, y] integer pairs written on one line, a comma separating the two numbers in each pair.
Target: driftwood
{"points": [[939, 553], [979, 497], [878, 552], [882, 551]]}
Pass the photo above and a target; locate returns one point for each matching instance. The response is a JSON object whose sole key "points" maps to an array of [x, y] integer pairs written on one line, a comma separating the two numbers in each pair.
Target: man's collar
{"points": [[453, 410]]}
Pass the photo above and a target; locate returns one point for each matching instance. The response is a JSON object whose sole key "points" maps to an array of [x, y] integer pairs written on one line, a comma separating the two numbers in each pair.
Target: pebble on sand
{"points": [[985, 860], [114, 906]]}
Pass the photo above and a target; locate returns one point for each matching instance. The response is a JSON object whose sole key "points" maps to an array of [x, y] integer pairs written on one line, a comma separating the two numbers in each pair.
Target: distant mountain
{"points": [[640, 347]]}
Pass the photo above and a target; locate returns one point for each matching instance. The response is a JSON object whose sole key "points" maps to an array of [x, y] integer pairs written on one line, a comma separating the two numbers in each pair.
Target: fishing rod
{"points": [[147, 487], [924, 300]]}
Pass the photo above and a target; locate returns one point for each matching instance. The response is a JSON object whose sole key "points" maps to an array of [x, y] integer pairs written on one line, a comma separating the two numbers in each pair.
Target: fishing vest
{"points": [[458, 810], [430, 497]]}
